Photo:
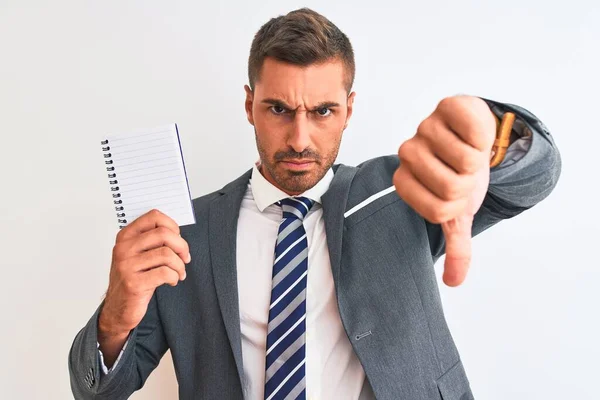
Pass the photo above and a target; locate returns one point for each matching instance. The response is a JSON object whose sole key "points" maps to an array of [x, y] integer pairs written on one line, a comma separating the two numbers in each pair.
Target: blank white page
{"points": [[146, 170]]}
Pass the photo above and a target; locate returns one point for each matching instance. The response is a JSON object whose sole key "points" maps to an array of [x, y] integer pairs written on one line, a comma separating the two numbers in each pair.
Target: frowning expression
{"points": [[299, 114]]}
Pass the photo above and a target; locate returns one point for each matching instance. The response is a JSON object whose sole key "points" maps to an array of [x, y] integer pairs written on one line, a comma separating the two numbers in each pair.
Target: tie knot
{"points": [[296, 207]]}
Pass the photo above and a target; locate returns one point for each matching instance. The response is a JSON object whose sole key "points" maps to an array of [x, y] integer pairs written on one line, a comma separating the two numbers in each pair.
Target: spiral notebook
{"points": [[146, 171]]}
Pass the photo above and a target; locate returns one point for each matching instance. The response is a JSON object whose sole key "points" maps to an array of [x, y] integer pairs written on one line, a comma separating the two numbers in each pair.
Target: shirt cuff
{"points": [[105, 369]]}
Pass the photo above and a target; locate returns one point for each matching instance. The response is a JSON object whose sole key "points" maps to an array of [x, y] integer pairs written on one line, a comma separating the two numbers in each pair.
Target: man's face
{"points": [[299, 115]]}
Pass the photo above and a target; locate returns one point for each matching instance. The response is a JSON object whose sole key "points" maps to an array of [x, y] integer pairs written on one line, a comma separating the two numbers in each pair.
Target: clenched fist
{"points": [[444, 174], [148, 253]]}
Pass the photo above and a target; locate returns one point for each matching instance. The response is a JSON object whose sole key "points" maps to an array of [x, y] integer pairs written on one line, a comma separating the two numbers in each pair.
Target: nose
{"points": [[299, 136]]}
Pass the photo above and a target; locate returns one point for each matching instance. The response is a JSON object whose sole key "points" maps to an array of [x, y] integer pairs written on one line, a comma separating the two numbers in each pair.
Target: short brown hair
{"points": [[302, 37]]}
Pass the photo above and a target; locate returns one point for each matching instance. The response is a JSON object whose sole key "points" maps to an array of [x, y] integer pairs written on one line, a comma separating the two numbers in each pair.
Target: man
{"points": [[306, 279]]}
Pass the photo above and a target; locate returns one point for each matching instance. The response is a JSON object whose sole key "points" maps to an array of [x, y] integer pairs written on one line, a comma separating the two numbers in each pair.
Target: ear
{"points": [[349, 105], [249, 102]]}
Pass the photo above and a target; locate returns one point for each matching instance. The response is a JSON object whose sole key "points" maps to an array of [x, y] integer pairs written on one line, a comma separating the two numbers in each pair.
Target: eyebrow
{"points": [[280, 103]]}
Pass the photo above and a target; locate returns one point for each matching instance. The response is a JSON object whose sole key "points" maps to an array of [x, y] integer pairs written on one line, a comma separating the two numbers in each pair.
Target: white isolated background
{"points": [[526, 321]]}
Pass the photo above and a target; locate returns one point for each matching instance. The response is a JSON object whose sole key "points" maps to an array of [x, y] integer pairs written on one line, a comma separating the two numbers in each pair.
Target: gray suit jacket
{"points": [[382, 257]]}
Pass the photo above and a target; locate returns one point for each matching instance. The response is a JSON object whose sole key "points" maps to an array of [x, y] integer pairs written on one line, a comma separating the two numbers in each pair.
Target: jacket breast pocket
{"points": [[361, 212], [454, 385]]}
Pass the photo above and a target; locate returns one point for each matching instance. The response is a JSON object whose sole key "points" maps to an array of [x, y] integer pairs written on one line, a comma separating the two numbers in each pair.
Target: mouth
{"points": [[297, 164]]}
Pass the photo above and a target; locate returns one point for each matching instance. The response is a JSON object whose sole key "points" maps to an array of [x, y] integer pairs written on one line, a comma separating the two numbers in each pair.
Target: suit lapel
{"points": [[223, 219], [334, 205]]}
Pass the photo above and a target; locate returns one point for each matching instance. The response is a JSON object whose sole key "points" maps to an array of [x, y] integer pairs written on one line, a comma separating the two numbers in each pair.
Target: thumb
{"points": [[457, 232]]}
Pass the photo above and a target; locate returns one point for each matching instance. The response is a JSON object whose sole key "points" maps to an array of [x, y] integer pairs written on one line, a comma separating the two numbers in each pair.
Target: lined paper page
{"points": [[150, 173]]}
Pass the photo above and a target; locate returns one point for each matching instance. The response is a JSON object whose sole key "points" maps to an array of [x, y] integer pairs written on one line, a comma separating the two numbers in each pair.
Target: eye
{"points": [[324, 112], [277, 110]]}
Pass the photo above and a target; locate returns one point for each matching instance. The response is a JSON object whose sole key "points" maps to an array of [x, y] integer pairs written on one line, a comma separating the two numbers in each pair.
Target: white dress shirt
{"points": [[332, 368]]}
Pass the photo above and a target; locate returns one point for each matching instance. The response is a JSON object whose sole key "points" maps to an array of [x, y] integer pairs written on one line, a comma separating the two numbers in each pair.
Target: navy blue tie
{"points": [[286, 352]]}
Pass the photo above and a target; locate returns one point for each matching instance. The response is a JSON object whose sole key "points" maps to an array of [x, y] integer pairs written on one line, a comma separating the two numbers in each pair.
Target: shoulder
{"points": [[375, 174], [386, 165]]}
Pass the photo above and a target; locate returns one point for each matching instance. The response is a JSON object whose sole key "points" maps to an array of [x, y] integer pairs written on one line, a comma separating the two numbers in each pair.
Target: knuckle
{"points": [[165, 274], [162, 232], [425, 126], [453, 188], [447, 103], [397, 178], [449, 191], [119, 265], [173, 257], [165, 252], [178, 264], [160, 276], [408, 151], [120, 235], [468, 163], [403, 150], [130, 286], [117, 251], [154, 213], [159, 272]]}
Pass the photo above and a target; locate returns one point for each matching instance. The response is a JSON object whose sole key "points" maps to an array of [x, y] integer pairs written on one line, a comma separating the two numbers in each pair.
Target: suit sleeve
{"points": [[515, 185], [146, 346]]}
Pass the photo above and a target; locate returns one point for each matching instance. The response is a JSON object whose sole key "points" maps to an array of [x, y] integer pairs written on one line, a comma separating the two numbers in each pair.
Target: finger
{"points": [[151, 220], [423, 201], [159, 237], [433, 173], [163, 256], [469, 117], [158, 276], [457, 233], [451, 149]]}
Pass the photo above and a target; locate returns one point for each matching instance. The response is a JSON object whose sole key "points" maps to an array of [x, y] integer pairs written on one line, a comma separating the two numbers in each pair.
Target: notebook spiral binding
{"points": [[112, 180]]}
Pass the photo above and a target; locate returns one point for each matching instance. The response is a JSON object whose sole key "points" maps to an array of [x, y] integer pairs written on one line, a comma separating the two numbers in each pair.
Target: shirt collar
{"points": [[265, 193]]}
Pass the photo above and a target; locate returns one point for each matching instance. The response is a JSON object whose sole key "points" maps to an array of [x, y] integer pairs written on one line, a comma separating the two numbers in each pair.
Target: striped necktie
{"points": [[285, 369]]}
